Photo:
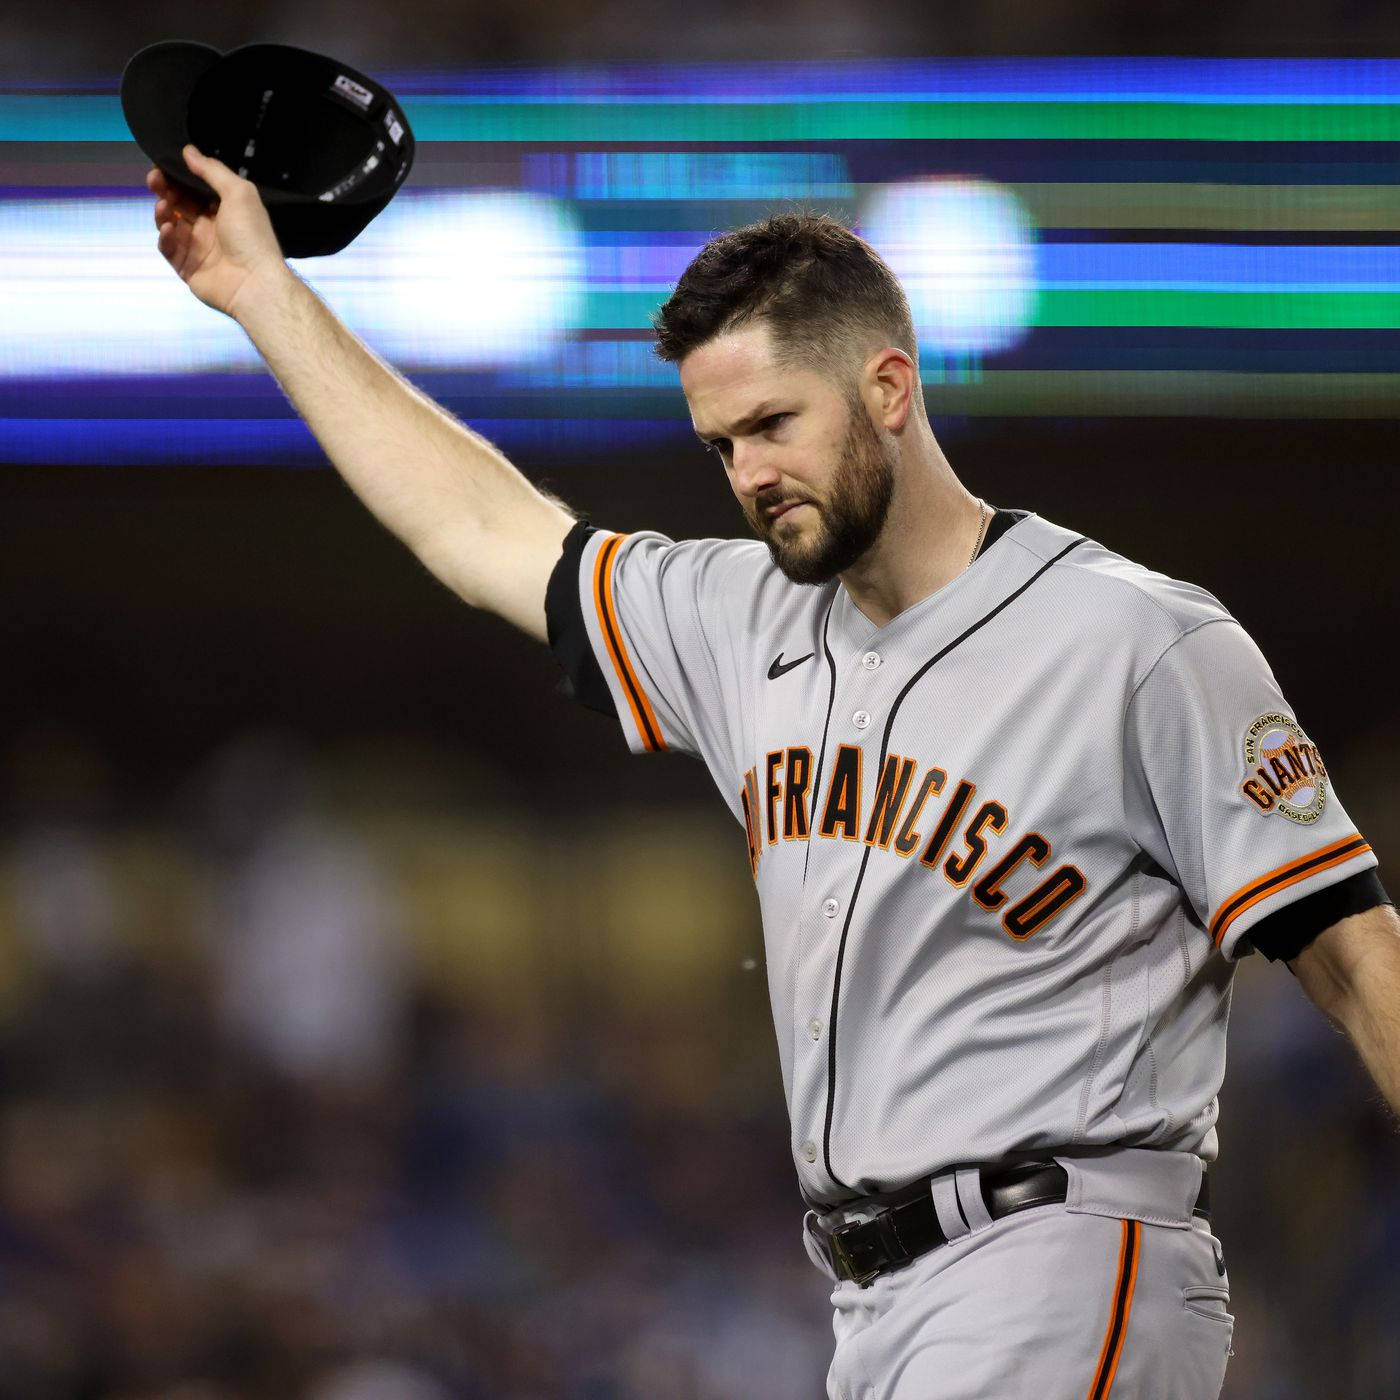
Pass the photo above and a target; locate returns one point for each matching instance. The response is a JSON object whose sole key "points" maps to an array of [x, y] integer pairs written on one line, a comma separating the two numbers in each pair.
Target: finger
{"points": [[160, 181], [168, 212], [166, 243], [181, 204], [174, 194], [211, 170], [174, 245]]}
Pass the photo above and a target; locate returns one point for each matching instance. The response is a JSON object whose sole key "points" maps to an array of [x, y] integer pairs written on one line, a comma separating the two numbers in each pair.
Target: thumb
{"points": [[211, 170]]}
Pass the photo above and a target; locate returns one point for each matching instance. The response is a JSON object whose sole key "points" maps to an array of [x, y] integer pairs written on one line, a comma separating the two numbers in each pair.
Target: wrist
{"points": [[264, 292]]}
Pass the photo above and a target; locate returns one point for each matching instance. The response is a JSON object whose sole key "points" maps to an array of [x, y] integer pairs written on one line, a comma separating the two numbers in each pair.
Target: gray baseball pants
{"points": [[1119, 1292]]}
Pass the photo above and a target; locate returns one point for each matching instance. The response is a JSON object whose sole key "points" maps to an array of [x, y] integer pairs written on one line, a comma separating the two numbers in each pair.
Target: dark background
{"points": [[83, 35], [166, 607]]}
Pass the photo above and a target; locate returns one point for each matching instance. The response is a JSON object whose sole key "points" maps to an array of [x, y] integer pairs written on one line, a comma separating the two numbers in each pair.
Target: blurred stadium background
{"points": [[370, 1024]]}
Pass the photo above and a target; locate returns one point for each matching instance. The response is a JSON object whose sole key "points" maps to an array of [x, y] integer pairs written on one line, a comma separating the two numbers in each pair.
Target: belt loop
{"points": [[968, 1181], [815, 1247], [944, 1190]]}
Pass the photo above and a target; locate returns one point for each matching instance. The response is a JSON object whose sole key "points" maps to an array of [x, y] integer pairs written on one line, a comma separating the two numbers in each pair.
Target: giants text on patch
{"points": [[1286, 772]]}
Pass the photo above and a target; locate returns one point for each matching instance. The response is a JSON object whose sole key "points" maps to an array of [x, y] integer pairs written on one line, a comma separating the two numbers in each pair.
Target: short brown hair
{"points": [[822, 290]]}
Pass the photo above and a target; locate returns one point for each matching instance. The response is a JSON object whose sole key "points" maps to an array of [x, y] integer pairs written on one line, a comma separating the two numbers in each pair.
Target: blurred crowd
{"points": [[333, 1076], [312, 1097]]}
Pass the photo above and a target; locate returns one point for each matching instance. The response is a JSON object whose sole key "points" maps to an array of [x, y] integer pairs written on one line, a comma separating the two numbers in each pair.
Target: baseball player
{"points": [[1013, 804]]}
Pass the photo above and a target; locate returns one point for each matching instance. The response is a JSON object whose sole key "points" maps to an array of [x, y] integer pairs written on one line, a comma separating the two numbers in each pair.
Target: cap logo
{"points": [[1286, 772], [356, 92]]}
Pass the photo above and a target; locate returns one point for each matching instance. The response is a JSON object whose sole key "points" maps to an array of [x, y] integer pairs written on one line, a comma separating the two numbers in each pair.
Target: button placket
{"points": [[860, 692]]}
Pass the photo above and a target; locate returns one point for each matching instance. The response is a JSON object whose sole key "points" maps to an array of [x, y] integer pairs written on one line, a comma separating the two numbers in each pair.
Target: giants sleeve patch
{"points": [[1285, 772]]}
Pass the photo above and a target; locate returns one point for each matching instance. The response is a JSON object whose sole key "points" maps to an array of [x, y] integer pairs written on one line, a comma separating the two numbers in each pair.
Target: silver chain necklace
{"points": [[981, 530]]}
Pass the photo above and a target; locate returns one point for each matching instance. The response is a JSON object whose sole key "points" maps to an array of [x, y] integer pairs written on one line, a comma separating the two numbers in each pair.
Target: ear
{"points": [[889, 382]]}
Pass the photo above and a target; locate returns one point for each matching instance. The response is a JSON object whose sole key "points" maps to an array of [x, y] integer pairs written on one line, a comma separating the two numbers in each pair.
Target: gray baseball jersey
{"points": [[1007, 846]]}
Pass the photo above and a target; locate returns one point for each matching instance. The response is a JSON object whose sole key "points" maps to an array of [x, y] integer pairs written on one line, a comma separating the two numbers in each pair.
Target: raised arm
{"points": [[1352, 972], [446, 492]]}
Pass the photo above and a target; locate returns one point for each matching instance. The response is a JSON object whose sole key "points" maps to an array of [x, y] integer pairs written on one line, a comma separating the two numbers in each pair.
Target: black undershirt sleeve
{"points": [[1286, 932], [1001, 522], [568, 637]]}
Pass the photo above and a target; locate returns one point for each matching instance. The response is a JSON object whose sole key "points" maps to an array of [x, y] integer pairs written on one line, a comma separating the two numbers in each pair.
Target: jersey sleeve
{"points": [[1224, 789], [627, 619]]}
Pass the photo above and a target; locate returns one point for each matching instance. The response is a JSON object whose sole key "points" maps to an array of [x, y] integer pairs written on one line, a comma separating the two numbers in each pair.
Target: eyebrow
{"points": [[765, 410]]}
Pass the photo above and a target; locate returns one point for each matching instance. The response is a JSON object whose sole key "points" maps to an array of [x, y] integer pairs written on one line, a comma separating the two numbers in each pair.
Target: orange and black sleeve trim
{"points": [[1283, 933], [1129, 1250], [1296, 870], [637, 702]]}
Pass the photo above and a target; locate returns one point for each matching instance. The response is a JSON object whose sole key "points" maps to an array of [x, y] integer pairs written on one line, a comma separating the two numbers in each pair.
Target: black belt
{"points": [[908, 1225]]}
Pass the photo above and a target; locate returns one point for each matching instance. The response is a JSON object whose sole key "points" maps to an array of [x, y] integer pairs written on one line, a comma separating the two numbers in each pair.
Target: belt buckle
{"points": [[845, 1263]]}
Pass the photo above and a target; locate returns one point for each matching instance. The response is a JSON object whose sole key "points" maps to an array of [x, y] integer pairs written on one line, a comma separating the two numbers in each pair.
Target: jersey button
{"points": [[809, 1151], [860, 719], [814, 1028], [870, 660], [830, 908]]}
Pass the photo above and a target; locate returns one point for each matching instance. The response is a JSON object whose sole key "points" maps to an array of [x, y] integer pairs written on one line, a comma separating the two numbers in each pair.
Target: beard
{"points": [[849, 520]]}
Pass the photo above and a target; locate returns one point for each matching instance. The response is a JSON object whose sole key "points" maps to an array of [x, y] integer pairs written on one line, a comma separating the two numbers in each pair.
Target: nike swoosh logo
{"points": [[778, 668]]}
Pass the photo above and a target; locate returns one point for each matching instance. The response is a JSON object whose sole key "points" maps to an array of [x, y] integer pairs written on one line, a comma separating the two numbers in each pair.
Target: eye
{"points": [[774, 420]]}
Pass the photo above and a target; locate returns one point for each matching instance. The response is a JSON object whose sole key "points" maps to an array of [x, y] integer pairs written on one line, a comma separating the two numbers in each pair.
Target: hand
{"points": [[219, 247]]}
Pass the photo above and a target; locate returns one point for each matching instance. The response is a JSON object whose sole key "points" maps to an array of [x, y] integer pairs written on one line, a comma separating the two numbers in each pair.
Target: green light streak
{"points": [[44, 117], [1133, 307], [896, 121], [1170, 393], [1205, 205], [1227, 310]]}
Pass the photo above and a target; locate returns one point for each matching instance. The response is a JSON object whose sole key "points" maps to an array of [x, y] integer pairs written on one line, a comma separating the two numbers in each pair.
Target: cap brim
{"points": [[155, 92], [312, 230]]}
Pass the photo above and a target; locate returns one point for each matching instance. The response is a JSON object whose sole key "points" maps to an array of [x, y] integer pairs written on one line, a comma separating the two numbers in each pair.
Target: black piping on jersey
{"points": [[865, 855], [639, 705], [826, 727]]}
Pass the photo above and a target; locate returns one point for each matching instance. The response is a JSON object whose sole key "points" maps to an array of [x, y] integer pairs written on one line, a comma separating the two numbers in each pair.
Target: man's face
{"points": [[811, 473]]}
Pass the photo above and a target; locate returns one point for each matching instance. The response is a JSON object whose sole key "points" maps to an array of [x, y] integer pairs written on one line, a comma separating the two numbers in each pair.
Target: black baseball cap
{"points": [[327, 146]]}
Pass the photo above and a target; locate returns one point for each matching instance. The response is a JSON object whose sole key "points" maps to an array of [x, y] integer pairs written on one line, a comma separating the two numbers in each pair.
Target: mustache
{"points": [[772, 498]]}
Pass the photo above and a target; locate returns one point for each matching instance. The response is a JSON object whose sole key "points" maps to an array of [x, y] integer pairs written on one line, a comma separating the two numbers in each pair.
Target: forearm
{"points": [[1373, 1022], [1360, 992], [445, 491]]}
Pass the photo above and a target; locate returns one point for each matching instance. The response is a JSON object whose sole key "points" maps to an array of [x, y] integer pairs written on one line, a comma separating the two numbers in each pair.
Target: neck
{"points": [[928, 538]]}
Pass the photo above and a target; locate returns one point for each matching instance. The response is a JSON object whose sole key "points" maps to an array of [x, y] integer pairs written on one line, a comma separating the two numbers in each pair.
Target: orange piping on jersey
{"points": [[1126, 1281], [642, 713], [1280, 879]]}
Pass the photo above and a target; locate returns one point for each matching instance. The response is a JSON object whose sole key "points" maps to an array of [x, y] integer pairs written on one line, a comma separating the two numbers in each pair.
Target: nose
{"points": [[753, 468]]}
